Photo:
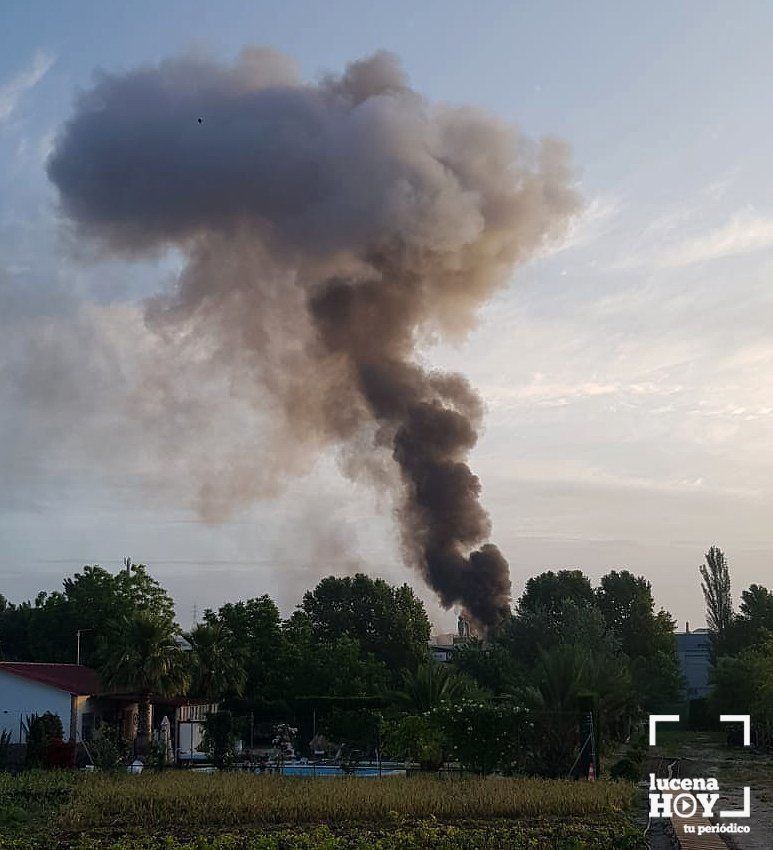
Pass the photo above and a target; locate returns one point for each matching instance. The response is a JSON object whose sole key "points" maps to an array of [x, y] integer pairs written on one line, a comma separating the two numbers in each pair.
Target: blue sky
{"points": [[627, 374]]}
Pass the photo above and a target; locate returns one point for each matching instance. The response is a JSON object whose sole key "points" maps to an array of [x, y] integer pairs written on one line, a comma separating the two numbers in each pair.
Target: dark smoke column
{"points": [[429, 421], [330, 230]]}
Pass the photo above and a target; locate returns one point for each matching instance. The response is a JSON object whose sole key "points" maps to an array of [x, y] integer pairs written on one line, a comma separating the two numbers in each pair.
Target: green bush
{"points": [[44, 741], [220, 738], [357, 728], [629, 767], [484, 736], [107, 749], [416, 738], [5, 748], [12, 816], [626, 769]]}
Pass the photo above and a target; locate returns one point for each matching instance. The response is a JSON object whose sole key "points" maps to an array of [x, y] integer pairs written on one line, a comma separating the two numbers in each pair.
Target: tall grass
{"points": [[37, 786], [183, 801]]}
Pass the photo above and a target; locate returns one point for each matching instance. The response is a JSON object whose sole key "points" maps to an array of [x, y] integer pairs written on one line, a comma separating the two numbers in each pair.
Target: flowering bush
{"points": [[284, 735], [484, 736]]}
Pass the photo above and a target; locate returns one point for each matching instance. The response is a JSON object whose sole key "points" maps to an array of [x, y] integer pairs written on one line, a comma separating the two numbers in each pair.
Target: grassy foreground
{"points": [[187, 811]]}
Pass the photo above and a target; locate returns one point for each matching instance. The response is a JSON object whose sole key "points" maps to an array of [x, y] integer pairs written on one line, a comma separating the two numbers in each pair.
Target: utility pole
{"points": [[78, 644]]}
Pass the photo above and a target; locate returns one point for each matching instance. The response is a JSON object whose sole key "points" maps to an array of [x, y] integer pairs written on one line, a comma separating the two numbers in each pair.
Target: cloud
{"points": [[12, 91], [543, 392], [741, 235]]}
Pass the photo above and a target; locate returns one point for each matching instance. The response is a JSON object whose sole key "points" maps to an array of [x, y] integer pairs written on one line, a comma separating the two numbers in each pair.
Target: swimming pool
{"points": [[324, 770]]}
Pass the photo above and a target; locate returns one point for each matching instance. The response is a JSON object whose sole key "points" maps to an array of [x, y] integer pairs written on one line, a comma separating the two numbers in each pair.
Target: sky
{"points": [[626, 372]]}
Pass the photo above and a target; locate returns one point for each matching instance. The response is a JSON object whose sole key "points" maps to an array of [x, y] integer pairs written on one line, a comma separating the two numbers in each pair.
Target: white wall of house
{"points": [[20, 697]]}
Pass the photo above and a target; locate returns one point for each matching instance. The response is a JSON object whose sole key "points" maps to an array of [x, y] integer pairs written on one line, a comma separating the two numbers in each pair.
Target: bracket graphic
{"points": [[746, 720]]}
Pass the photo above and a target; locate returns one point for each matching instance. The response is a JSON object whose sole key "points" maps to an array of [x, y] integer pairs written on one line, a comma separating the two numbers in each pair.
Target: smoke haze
{"points": [[329, 231]]}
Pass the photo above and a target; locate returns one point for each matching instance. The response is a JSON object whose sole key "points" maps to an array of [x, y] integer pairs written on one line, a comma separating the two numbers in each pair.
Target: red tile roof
{"points": [[72, 678]]}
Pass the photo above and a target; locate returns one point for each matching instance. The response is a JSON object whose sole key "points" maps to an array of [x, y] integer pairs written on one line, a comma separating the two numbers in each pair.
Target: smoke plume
{"points": [[330, 230]]}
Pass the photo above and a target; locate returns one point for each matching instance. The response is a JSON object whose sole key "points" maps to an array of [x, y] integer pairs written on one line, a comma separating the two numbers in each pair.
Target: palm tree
{"points": [[610, 679], [431, 684], [141, 655], [564, 674], [559, 676], [217, 666]]}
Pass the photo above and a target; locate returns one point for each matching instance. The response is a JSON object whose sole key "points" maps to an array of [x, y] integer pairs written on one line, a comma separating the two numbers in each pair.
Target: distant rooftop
{"points": [[74, 679]]}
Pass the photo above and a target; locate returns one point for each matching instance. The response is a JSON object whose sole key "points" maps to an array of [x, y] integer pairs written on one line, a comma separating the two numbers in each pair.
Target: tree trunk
{"points": [[143, 726]]}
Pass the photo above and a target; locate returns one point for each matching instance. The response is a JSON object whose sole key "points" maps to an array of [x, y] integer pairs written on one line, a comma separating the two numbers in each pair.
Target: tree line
{"points": [[741, 647], [356, 650]]}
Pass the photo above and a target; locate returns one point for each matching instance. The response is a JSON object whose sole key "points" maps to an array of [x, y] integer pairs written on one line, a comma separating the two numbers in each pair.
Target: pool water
{"points": [[310, 769]]}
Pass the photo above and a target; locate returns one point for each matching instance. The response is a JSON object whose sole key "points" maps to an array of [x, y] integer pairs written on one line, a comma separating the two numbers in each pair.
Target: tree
{"points": [[219, 740], [757, 605], [547, 591], [15, 630], [646, 637], [490, 665], [608, 679], [628, 608], [141, 655], [389, 622], [89, 602], [331, 668], [559, 677], [256, 631], [715, 575], [218, 663], [557, 681], [565, 675], [753, 625], [566, 621], [431, 685], [657, 680], [744, 684]]}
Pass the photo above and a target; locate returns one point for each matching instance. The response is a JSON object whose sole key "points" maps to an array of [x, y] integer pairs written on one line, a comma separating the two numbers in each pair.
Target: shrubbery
{"points": [[46, 746], [107, 749], [614, 832], [630, 767], [220, 738], [484, 736], [415, 738]]}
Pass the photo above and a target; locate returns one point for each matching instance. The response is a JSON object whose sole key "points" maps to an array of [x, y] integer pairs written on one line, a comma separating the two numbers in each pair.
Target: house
{"points": [[62, 689], [77, 696], [694, 652]]}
